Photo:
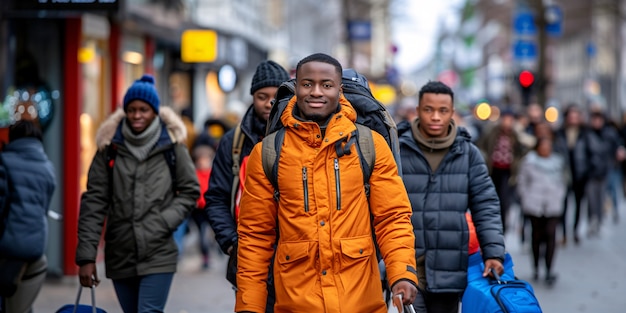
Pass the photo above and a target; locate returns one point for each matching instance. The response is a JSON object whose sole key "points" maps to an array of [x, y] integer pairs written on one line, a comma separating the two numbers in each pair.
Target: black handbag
{"points": [[11, 272]]}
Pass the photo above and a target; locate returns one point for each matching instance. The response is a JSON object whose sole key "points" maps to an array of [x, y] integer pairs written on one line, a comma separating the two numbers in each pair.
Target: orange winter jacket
{"points": [[325, 256]]}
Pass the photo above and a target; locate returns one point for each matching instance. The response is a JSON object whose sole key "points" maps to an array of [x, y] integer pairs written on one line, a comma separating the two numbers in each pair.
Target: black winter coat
{"points": [[440, 200], [577, 157], [218, 196], [602, 145]]}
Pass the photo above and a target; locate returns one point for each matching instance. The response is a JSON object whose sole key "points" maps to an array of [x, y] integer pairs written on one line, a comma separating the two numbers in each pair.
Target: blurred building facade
{"points": [[576, 44], [68, 64]]}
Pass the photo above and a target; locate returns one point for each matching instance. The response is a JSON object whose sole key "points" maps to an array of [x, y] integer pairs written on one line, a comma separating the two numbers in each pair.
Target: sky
{"points": [[415, 25]]}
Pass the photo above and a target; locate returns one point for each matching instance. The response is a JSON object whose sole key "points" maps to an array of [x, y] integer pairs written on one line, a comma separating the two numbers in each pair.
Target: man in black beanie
{"points": [[222, 197]]}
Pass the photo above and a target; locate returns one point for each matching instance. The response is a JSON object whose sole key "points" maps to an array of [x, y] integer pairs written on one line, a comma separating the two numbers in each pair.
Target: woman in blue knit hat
{"points": [[143, 183]]}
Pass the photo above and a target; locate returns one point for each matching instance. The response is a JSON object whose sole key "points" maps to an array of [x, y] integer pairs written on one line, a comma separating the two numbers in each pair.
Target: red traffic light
{"points": [[526, 79]]}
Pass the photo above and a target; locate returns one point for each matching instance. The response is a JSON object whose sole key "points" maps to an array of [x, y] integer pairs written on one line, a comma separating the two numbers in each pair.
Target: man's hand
{"points": [[408, 291], [496, 265], [88, 275]]}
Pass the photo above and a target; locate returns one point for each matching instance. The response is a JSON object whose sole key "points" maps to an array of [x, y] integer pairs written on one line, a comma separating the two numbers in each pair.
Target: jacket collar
{"points": [[174, 129], [339, 126], [249, 125], [457, 147]]}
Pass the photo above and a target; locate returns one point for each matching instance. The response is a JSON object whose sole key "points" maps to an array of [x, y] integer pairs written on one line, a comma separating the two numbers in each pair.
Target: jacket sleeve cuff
{"points": [[408, 274], [83, 262], [251, 300], [403, 279]]}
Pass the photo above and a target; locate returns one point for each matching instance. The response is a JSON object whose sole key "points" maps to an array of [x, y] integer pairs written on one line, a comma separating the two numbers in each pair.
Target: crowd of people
{"points": [[153, 174]]}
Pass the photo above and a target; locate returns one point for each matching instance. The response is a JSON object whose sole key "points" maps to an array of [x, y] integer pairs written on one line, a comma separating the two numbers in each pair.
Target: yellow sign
{"points": [[384, 93], [199, 46]]}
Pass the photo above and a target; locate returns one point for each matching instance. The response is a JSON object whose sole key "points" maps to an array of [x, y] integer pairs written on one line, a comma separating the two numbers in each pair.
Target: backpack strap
{"points": [[170, 159], [111, 154], [367, 154], [238, 140], [272, 146]]}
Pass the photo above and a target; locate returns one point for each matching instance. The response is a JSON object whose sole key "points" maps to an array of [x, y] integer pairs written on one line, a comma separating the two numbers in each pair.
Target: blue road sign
{"points": [[524, 23], [554, 19], [360, 30], [524, 50]]}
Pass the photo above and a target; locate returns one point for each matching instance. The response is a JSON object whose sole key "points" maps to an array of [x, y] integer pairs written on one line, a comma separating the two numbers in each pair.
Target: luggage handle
{"points": [[93, 298], [496, 276]]}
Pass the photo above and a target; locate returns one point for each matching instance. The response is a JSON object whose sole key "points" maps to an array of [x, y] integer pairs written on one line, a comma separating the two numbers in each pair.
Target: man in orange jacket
{"points": [[325, 257]]}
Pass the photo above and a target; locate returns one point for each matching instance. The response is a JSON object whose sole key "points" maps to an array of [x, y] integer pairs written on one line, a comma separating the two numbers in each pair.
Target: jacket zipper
{"points": [[337, 184], [305, 185]]}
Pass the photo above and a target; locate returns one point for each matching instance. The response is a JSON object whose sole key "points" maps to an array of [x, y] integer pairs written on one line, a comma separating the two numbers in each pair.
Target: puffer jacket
{"points": [[218, 196], [602, 145], [541, 182], [141, 210], [29, 179], [440, 200], [577, 157], [325, 257]]}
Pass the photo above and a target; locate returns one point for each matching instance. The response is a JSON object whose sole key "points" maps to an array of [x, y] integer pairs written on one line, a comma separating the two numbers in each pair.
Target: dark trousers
{"points": [[504, 190], [428, 302], [578, 188], [202, 222], [145, 294], [544, 234]]}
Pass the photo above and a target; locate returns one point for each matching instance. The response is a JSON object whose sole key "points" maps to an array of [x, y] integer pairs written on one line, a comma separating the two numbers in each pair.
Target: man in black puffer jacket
{"points": [[445, 175], [219, 203]]}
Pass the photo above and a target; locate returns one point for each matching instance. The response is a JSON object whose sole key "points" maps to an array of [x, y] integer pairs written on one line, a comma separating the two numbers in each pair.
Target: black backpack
{"points": [[371, 115]]}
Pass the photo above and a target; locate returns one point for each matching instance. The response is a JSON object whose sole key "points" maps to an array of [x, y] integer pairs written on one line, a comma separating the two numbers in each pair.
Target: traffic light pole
{"points": [[542, 41]]}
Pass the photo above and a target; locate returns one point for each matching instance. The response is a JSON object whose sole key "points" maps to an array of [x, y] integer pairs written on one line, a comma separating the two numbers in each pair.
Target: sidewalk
{"points": [[193, 290], [591, 275]]}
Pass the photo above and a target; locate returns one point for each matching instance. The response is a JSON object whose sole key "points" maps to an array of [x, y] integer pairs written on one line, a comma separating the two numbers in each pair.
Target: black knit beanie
{"points": [[268, 74]]}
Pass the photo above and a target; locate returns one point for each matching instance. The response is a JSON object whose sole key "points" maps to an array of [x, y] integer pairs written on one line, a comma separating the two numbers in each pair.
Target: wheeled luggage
{"points": [[504, 294]]}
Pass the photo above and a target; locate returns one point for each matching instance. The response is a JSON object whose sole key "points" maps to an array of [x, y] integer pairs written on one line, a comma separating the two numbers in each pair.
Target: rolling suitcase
{"points": [[504, 294]]}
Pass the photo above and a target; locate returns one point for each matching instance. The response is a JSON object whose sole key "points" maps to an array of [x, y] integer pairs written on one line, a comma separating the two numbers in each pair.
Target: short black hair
{"points": [[24, 129], [320, 57], [436, 87]]}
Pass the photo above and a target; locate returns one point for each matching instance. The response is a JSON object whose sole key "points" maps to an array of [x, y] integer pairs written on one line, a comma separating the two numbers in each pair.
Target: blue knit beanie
{"points": [[143, 89]]}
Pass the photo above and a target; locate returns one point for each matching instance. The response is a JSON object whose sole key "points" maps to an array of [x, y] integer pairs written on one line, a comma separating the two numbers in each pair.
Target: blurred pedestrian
{"points": [[222, 197], [203, 153], [573, 139], [604, 146], [542, 129], [319, 222], [27, 181], [503, 151], [142, 182], [614, 178], [445, 175], [541, 184]]}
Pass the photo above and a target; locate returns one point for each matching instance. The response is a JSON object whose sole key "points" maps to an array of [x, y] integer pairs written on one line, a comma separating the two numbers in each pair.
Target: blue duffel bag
{"points": [[82, 308], [504, 294]]}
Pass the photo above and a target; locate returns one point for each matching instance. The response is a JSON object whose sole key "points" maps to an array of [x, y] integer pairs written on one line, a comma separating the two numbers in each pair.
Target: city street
{"points": [[591, 278]]}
